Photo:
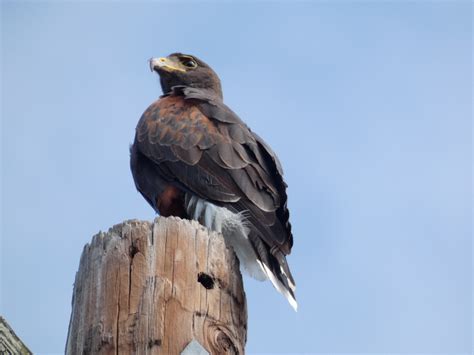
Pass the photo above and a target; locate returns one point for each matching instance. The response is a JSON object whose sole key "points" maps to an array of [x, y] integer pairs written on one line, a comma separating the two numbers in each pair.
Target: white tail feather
{"points": [[233, 228], [279, 286]]}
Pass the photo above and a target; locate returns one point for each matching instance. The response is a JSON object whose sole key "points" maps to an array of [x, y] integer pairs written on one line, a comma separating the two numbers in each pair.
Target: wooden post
{"points": [[167, 287], [10, 343]]}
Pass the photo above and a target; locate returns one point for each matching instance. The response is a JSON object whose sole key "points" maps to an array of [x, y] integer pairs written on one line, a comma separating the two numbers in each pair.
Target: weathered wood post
{"points": [[167, 287], [10, 343]]}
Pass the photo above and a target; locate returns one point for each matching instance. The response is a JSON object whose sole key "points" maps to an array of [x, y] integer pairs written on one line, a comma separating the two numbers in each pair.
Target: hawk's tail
{"points": [[273, 262], [260, 261]]}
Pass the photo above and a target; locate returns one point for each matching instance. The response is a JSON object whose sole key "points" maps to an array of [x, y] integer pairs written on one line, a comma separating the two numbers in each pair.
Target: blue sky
{"points": [[368, 105]]}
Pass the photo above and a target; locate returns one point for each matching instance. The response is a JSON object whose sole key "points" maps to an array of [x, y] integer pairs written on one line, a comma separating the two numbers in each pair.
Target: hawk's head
{"points": [[184, 69]]}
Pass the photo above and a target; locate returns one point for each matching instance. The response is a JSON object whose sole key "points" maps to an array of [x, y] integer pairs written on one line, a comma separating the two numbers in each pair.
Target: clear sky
{"points": [[368, 105]]}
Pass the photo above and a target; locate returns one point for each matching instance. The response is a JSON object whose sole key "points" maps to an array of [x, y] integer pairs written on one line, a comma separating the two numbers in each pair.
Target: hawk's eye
{"points": [[190, 63]]}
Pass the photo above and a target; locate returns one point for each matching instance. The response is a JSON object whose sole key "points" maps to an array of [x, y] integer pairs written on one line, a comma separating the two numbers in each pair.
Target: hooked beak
{"points": [[165, 64]]}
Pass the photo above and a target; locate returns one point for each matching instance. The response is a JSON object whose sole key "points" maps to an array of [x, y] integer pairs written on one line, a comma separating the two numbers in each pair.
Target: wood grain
{"points": [[150, 288]]}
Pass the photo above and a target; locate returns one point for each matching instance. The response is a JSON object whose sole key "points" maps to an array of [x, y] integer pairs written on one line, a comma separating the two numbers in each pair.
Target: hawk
{"points": [[194, 158]]}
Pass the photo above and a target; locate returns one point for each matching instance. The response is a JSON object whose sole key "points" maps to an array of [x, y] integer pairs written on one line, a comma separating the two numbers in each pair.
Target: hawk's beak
{"points": [[164, 64]]}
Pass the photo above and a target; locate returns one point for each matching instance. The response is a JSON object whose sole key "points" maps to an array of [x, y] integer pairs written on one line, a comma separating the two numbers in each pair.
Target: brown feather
{"points": [[202, 147]]}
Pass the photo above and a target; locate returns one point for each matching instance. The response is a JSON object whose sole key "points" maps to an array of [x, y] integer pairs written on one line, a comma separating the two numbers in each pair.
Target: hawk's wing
{"points": [[204, 148]]}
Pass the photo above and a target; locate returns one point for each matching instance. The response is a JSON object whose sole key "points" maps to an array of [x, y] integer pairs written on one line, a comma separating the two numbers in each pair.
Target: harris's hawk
{"points": [[193, 157]]}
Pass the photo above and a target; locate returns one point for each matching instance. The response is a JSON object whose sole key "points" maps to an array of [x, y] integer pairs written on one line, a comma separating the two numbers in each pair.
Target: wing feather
{"points": [[200, 145]]}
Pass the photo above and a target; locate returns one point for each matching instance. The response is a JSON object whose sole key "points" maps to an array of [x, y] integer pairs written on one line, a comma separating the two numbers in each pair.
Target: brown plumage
{"points": [[190, 142]]}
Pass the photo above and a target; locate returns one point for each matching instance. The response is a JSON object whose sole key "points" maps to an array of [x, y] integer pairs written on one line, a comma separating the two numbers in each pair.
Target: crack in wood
{"points": [[118, 317]]}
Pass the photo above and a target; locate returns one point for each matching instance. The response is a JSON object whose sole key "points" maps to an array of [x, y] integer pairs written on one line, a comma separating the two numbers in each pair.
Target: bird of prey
{"points": [[194, 158]]}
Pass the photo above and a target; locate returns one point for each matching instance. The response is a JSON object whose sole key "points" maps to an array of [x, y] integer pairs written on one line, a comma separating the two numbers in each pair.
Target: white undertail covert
{"points": [[235, 231]]}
